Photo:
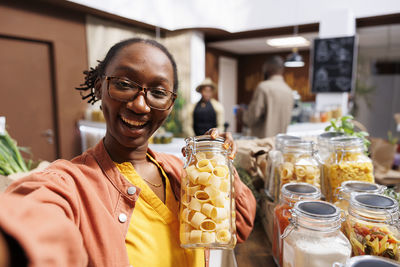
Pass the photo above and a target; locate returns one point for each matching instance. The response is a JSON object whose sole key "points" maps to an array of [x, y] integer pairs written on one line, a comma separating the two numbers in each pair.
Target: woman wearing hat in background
{"points": [[207, 113]]}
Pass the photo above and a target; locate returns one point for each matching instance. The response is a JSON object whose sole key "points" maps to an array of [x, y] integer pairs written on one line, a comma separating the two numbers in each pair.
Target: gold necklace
{"points": [[155, 185]]}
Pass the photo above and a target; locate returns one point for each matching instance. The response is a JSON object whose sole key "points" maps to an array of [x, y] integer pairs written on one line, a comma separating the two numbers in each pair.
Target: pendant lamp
{"points": [[294, 59]]}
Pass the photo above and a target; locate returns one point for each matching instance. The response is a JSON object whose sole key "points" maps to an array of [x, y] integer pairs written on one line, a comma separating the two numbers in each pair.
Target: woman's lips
{"points": [[133, 123]]}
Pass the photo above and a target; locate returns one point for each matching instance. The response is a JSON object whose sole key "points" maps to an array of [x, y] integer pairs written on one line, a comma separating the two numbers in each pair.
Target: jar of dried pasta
{"points": [[207, 210], [347, 161], [291, 193], [348, 187], [323, 144], [372, 225], [298, 163], [274, 157]]}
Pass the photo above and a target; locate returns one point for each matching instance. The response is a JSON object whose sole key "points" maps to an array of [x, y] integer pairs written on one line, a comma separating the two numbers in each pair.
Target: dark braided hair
{"points": [[93, 74]]}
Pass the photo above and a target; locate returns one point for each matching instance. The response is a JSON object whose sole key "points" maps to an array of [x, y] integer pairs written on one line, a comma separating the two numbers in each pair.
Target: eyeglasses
{"points": [[125, 90]]}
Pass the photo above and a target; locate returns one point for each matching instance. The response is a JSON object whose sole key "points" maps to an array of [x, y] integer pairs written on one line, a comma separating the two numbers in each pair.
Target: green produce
{"points": [[11, 160]]}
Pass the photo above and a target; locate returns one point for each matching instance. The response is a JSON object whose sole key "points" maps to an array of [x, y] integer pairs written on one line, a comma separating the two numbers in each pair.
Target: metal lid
{"points": [[203, 138], [346, 141], [329, 135], [370, 261], [373, 201], [361, 187], [297, 191], [317, 209]]}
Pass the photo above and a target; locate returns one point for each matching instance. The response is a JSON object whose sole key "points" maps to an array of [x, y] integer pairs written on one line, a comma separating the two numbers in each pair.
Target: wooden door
{"points": [[26, 95]]}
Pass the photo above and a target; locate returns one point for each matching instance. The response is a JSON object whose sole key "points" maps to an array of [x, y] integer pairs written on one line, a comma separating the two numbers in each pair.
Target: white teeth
{"points": [[133, 123]]}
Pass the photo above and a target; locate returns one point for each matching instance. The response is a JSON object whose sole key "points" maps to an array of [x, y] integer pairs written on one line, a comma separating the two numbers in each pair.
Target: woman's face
{"points": [[131, 124], [207, 93]]}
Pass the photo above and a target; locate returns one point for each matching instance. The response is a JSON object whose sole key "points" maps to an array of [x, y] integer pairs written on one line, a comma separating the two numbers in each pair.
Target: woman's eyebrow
{"points": [[128, 70]]}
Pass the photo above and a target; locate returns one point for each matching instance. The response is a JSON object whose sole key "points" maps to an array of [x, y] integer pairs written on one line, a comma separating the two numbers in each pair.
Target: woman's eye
{"points": [[158, 92], [124, 85]]}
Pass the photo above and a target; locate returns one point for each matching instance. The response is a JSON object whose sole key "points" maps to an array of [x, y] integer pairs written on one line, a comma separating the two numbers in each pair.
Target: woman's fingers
{"points": [[229, 142]]}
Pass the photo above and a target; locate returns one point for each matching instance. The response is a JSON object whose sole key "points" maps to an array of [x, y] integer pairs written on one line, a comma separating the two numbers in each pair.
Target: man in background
{"points": [[270, 109]]}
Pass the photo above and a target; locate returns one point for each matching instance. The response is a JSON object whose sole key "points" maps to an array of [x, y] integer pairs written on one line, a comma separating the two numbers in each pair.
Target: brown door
{"points": [[26, 95]]}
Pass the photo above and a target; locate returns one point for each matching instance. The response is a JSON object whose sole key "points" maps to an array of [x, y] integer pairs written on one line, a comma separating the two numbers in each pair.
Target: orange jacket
{"points": [[77, 213]]}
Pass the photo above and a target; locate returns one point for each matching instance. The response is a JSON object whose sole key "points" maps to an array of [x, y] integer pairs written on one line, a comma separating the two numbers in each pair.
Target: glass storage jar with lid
{"points": [[323, 144], [290, 194], [207, 210], [274, 156], [348, 187], [313, 238], [347, 161], [298, 163], [372, 225], [367, 261]]}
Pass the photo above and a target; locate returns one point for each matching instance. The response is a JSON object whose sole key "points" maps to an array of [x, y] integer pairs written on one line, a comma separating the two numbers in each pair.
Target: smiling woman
{"points": [[117, 204]]}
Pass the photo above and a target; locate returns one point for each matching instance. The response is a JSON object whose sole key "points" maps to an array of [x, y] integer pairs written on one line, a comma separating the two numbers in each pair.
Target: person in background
{"points": [[270, 108], [207, 113], [116, 204]]}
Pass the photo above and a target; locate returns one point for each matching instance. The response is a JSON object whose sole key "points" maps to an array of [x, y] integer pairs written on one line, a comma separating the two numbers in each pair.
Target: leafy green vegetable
{"points": [[346, 126], [11, 160], [390, 192]]}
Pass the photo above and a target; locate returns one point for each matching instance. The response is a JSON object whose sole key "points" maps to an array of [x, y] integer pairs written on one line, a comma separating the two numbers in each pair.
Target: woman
{"points": [[117, 203], [207, 113]]}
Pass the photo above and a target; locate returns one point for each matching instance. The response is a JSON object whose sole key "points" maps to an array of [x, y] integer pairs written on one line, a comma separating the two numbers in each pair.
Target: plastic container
{"points": [[290, 194], [274, 157], [313, 238], [348, 187], [372, 225], [367, 261], [347, 161], [207, 213], [298, 163]]}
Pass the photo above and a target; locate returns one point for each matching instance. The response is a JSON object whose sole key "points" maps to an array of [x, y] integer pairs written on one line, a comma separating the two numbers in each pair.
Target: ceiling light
{"points": [[294, 60], [293, 41]]}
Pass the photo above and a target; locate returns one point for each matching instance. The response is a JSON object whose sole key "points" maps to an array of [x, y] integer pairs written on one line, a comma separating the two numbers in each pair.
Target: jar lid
{"points": [[280, 138], [373, 201], [317, 209], [297, 191], [346, 141], [204, 138], [329, 135], [361, 187], [369, 261], [298, 145]]}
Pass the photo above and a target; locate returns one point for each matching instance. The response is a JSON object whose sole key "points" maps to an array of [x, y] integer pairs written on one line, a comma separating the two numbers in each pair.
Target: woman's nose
{"points": [[139, 105]]}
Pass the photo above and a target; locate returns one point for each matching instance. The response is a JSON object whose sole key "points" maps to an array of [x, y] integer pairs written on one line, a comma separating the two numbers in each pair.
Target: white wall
{"points": [[227, 89], [236, 15]]}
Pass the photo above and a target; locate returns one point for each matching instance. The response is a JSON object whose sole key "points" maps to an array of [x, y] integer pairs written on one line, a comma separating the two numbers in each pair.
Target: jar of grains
{"points": [[348, 187], [323, 144], [274, 157], [298, 163], [347, 161], [207, 210], [290, 194], [314, 239], [372, 225], [367, 261]]}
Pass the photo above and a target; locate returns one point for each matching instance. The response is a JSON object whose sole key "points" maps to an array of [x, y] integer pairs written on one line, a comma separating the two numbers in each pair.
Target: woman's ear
{"points": [[97, 88]]}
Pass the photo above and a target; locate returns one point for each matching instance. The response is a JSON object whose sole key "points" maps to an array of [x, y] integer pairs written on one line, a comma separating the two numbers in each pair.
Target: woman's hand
{"points": [[229, 142]]}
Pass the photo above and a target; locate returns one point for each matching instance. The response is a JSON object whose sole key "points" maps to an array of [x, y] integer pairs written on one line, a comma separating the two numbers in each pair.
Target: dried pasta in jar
{"points": [[298, 163], [207, 212], [347, 162]]}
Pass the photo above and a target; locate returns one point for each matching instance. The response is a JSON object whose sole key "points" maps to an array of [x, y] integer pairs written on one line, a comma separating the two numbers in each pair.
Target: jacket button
{"points": [[122, 217], [131, 190]]}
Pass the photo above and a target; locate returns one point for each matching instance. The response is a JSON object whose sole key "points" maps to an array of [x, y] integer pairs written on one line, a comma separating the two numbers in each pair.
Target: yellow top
{"points": [[153, 234]]}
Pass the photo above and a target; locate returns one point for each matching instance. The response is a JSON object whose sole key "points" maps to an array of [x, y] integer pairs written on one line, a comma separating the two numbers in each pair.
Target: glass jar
{"points": [[367, 261], [274, 156], [290, 194], [348, 187], [207, 210], [298, 163], [347, 161], [313, 238], [323, 144], [372, 225]]}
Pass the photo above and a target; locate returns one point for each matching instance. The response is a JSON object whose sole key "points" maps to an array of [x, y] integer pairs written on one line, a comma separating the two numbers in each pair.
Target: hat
{"points": [[207, 82]]}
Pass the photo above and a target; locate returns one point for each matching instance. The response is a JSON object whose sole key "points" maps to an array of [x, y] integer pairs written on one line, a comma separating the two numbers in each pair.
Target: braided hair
{"points": [[97, 72]]}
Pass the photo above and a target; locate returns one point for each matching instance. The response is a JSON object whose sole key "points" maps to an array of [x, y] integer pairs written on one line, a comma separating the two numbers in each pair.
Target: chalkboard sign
{"points": [[333, 61]]}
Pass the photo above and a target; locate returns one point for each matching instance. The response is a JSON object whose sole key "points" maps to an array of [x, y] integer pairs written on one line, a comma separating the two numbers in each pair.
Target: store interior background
{"points": [[45, 46]]}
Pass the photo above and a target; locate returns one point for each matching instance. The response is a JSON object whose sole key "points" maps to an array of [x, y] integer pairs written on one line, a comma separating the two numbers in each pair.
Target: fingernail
{"points": [[226, 145]]}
